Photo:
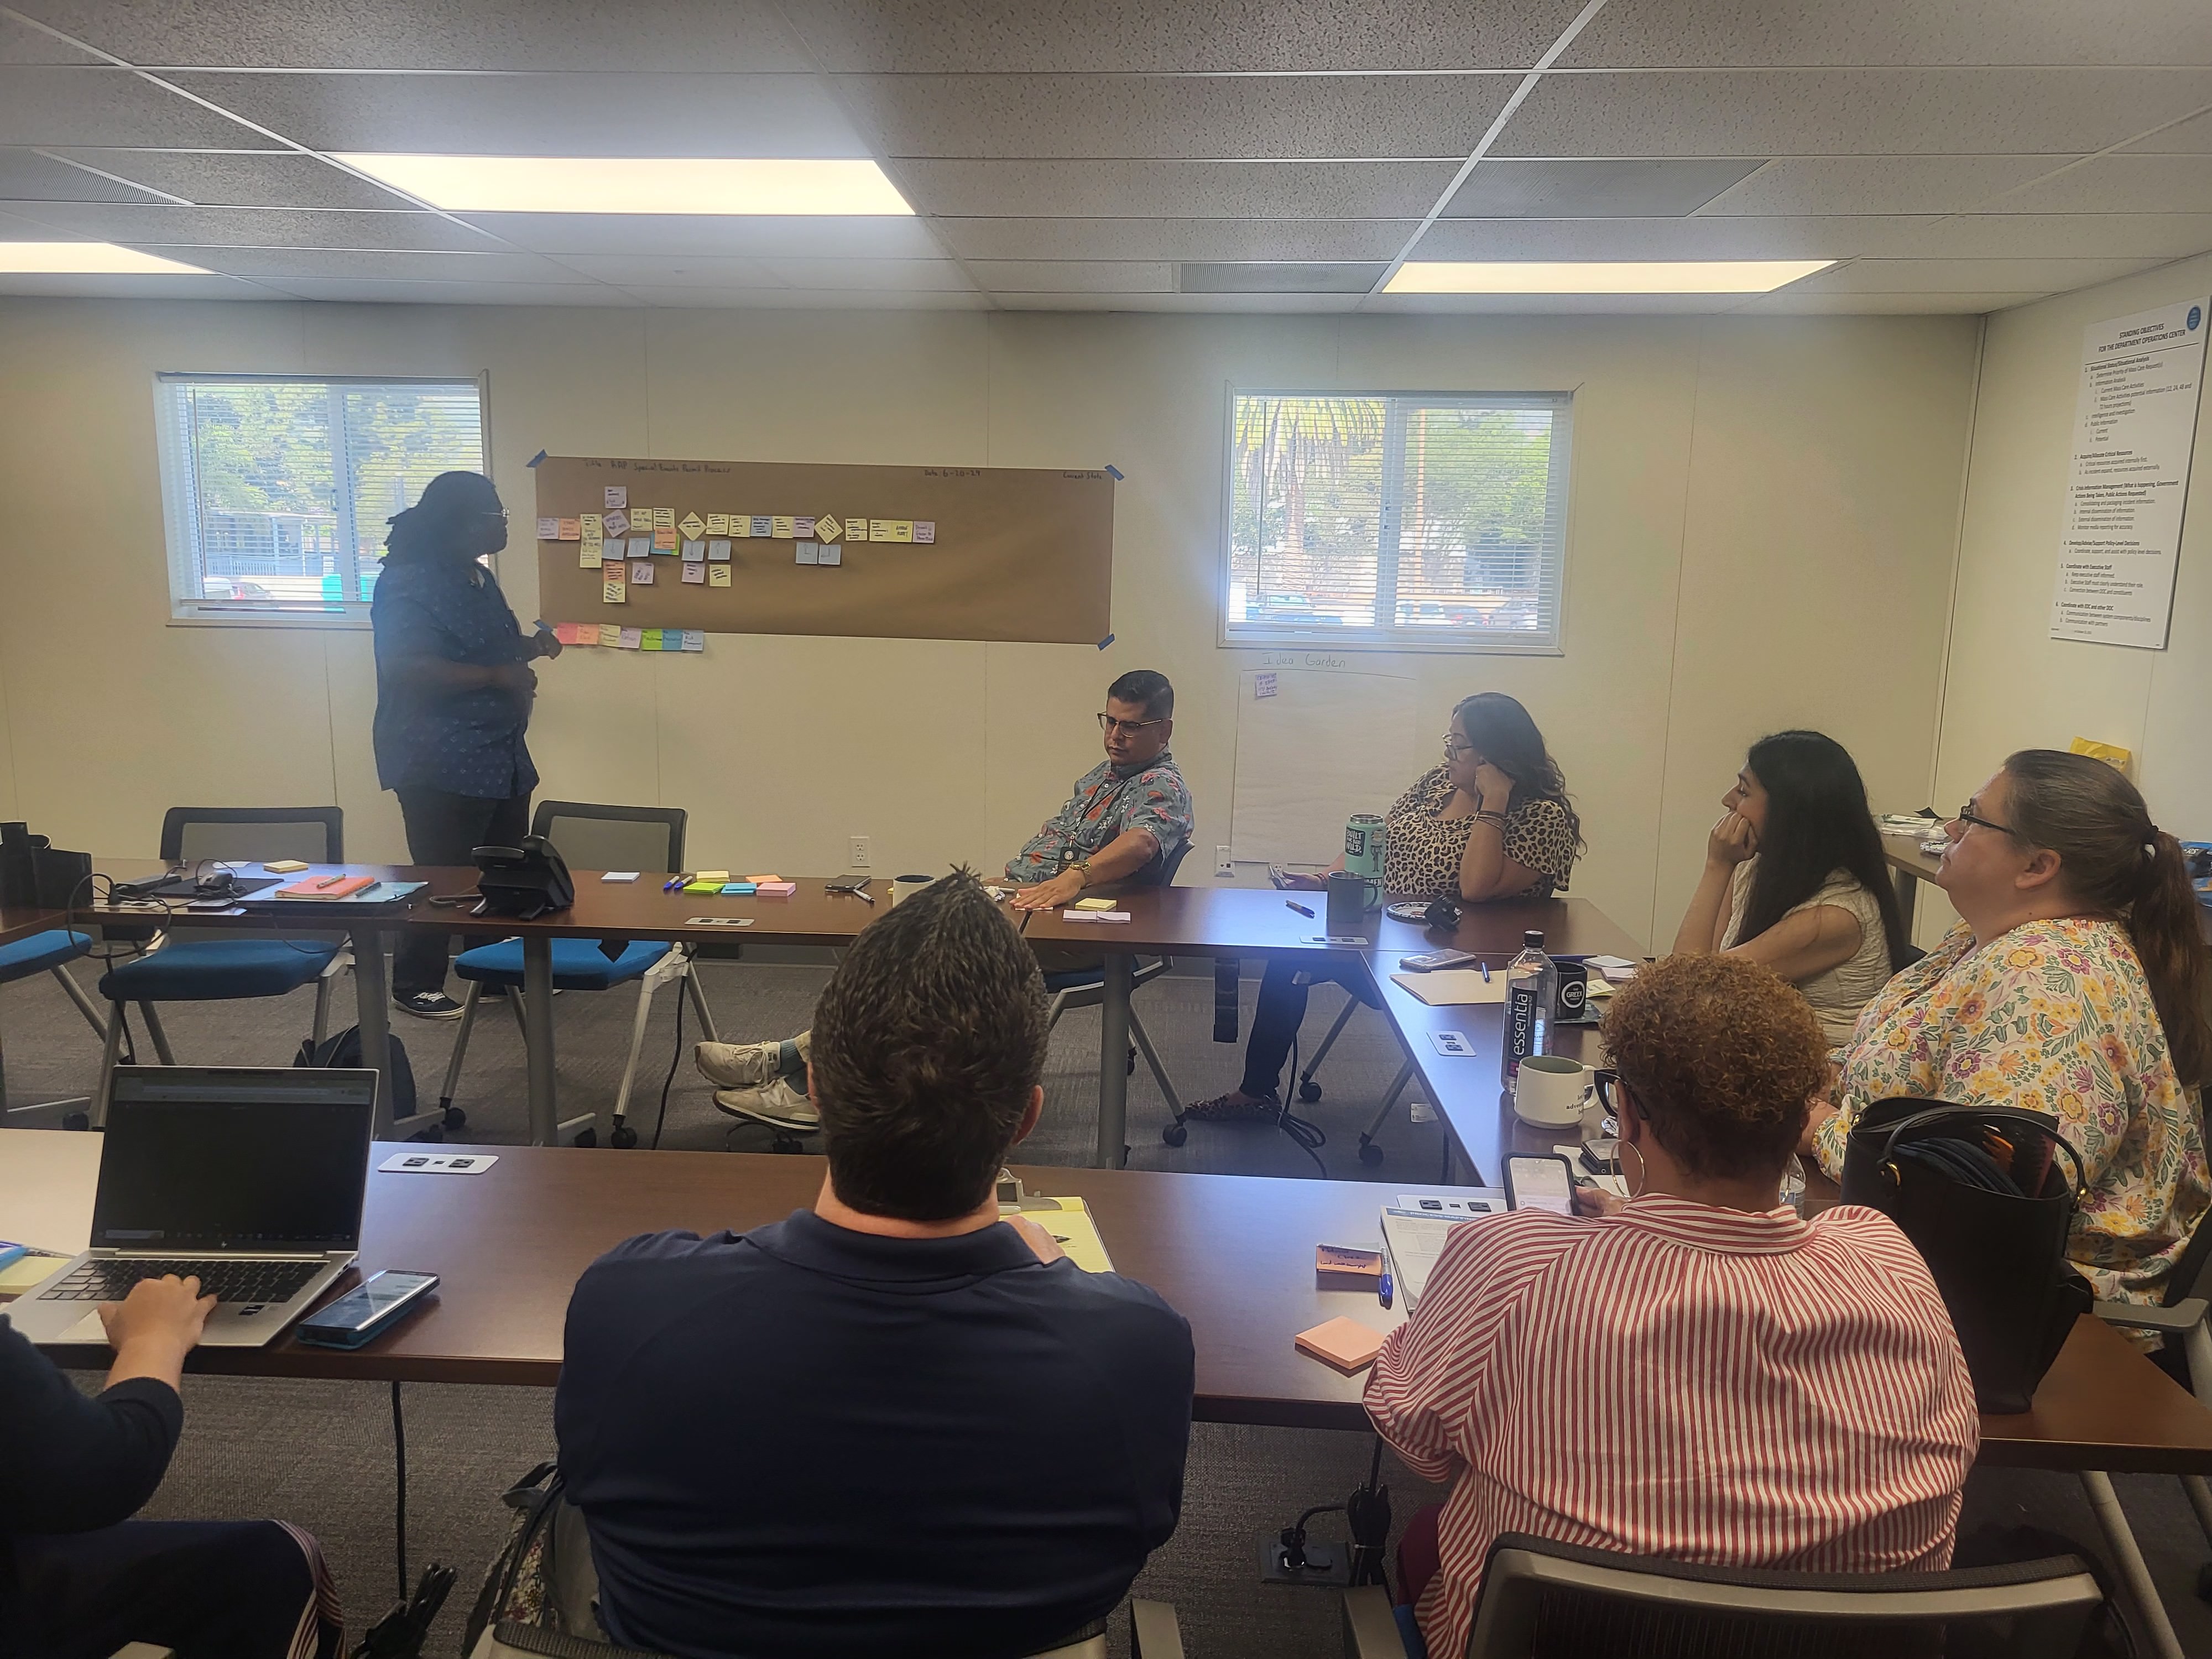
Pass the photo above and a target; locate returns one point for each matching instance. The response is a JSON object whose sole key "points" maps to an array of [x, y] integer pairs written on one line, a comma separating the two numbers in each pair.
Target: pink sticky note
{"points": [[548, 529], [925, 530], [641, 574], [568, 530], [694, 573], [631, 638]]}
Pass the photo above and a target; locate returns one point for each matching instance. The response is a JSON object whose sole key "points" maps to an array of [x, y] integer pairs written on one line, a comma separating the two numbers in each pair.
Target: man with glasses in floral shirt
{"points": [[1126, 818]]}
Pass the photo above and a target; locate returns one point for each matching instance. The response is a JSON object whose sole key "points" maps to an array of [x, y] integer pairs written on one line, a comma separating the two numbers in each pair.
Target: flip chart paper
{"points": [[617, 497], [718, 548], [925, 530], [718, 575], [717, 524], [693, 526]]}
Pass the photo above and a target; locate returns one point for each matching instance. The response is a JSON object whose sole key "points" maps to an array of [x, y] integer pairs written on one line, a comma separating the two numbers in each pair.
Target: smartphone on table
{"points": [[1539, 1181], [368, 1310]]}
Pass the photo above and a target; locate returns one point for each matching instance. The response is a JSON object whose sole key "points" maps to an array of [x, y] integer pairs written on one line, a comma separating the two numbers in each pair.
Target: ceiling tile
{"points": [[2119, 183], [1727, 33], [1073, 275], [1270, 277], [283, 263], [135, 288], [705, 234], [284, 179], [1229, 118], [1176, 239], [2056, 236], [1968, 275], [874, 274], [1168, 189], [1121, 36], [27, 176], [1505, 189], [1762, 113], [587, 113], [360, 290], [1813, 185], [794, 299], [1187, 304], [546, 34], [1794, 304], [55, 106], [660, 270], [196, 227], [22, 44]]}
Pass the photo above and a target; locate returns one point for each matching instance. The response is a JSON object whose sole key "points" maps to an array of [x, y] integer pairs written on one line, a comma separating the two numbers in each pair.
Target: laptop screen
{"points": [[203, 1159]]}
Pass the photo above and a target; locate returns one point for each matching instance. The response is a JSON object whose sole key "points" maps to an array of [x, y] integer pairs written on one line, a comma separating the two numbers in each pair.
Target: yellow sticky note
{"points": [[856, 529], [609, 634], [901, 530], [664, 518], [589, 557], [693, 526], [595, 525], [826, 528], [1092, 904], [717, 524], [2111, 753], [718, 575], [880, 530], [783, 529], [615, 592]]}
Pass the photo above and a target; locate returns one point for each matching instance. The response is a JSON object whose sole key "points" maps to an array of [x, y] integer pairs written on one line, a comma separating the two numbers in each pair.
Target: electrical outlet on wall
{"points": [[1222, 865], [856, 852]]}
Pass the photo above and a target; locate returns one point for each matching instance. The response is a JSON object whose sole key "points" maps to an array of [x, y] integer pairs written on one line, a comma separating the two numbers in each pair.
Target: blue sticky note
{"points": [[737, 889], [694, 639]]}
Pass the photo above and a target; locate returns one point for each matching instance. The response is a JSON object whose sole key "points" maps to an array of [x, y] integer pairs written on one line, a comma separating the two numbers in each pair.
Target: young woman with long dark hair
{"points": [[1794, 879]]}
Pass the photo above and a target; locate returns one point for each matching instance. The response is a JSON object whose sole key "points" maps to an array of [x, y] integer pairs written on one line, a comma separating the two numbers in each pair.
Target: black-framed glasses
{"points": [[1107, 723], [1612, 1095], [1455, 745], [1967, 815]]}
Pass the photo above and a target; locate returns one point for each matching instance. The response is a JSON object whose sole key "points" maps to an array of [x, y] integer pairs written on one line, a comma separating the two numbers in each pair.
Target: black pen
{"points": [[1294, 905]]}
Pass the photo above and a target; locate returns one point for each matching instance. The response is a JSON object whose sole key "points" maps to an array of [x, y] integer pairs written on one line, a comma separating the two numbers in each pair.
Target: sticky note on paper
{"points": [[616, 523], [588, 634], [740, 524], [717, 524], [901, 530], [925, 530], [694, 573], [664, 518], [642, 573], [718, 575], [856, 529], [548, 529], [830, 554], [693, 526], [595, 524], [664, 541], [718, 548], [762, 526], [612, 592], [694, 639], [804, 528], [588, 556], [609, 635], [808, 551], [570, 530], [1263, 685], [783, 528], [827, 529], [695, 552], [617, 497], [649, 640], [641, 546], [630, 637]]}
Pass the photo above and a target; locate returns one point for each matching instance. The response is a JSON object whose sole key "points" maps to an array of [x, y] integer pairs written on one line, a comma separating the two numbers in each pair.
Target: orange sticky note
{"points": [[1345, 1343]]}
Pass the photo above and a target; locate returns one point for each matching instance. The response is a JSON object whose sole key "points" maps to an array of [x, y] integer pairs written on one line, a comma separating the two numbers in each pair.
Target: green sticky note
{"points": [[704, 887], [651, 641]]}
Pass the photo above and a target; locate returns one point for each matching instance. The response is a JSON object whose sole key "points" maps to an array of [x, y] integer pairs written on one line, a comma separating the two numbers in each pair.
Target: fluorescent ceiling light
{"points": [[614, 183], [1600, 277], [88, 260]]}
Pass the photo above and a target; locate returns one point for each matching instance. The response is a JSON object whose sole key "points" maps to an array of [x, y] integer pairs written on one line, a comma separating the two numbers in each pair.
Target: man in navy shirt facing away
{"points": [[894, 1424]]}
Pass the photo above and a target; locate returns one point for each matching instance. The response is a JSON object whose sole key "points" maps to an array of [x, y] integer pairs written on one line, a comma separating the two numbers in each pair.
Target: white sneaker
{"points": [[738, 1065], [775, 1103], [1418, 1110]]}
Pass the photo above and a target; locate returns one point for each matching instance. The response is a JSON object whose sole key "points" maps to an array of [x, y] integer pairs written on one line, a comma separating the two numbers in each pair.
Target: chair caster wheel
{"points": [[586, 1138], [455, 1118], [1309, 1091], [76, 1121], [622, 1137], [1370, 1153], [1174, 1134]]}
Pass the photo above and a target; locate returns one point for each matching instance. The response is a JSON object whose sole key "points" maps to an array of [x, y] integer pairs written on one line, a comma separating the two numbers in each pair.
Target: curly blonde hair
{"points": [[1722, 1056]]}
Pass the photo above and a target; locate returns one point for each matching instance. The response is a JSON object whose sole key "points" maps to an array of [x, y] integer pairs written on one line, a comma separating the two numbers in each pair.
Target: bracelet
{"points": [[1496, 820]]}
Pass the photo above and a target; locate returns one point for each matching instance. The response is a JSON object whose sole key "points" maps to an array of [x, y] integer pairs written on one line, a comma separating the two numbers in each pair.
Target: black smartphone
{"points": [[1539, 1181], [368, 1310], [1601, 1156]]}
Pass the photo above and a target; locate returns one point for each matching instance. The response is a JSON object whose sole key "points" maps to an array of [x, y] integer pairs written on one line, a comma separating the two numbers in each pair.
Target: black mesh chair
{"points": [[1541, 1599], [1085, 988]]}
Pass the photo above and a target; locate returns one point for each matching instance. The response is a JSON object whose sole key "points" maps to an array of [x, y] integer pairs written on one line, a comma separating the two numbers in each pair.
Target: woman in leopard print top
{"points": [[1492, 822]]}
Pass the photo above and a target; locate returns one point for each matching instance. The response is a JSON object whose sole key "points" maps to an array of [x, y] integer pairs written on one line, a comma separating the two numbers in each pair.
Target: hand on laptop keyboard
{"points": [[109, 1280]]}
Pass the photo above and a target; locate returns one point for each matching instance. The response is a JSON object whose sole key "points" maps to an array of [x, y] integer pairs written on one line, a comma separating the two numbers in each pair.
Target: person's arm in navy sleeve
{"points": [[413, 655], [70, 1464]]}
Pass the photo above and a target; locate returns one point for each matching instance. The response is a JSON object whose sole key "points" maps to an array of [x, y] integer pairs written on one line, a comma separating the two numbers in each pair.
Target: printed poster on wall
{"points": [[2134, 426]]}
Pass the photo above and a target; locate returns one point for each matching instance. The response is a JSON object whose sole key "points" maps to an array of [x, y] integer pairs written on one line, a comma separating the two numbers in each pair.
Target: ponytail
{"points": [[2119, 864]]}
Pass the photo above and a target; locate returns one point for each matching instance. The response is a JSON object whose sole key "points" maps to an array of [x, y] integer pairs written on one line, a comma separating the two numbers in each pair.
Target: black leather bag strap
{"points": [[2078, 1188]]}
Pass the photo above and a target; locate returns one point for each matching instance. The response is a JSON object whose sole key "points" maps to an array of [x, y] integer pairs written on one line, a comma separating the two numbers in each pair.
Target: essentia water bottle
{"points": [[1532, 996]]}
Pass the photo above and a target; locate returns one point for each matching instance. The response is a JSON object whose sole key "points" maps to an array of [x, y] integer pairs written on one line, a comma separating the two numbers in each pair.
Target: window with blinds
{"points": [[275, 489], [1403, 520]]}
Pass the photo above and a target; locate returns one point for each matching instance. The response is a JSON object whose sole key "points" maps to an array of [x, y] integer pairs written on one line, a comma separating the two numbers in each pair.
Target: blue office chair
{"points": [[1085, 988], [592, 837], [47, 953], [206, 965]]}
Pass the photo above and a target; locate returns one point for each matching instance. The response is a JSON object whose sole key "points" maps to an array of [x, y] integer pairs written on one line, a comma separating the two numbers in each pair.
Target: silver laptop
{"points": [[250, 1179]]}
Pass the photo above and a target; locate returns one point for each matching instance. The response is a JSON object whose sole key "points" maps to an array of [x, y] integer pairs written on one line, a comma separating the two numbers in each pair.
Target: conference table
{"points": [[1910, 867]]}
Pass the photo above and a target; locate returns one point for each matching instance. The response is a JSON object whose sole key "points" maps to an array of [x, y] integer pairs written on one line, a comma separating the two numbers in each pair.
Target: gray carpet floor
{"points": [[320, 1454]]}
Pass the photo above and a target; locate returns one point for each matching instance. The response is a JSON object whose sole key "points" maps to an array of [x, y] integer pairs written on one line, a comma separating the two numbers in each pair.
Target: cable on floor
{"points": [[675, 1058]]}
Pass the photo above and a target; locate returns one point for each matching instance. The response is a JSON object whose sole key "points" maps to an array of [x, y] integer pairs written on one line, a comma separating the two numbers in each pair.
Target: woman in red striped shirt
{"points": [[1698, 1374]]}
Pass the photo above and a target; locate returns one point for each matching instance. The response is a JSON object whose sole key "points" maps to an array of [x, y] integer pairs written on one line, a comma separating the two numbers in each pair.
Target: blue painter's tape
{"points": [[1113, 473], [1108, 641], [538, 457]]}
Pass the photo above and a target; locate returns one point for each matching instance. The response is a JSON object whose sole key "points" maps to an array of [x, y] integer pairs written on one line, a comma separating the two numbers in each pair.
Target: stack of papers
{"points": [[1452, 988], [1414, 1239]]}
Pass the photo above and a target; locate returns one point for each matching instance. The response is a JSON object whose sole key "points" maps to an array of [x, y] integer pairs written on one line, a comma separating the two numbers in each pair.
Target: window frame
{"points": [[1395, 638], [180, 494]]}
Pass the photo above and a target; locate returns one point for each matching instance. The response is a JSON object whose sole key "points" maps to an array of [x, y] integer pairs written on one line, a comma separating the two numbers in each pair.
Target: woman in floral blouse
{"points": [[2074, 987]]}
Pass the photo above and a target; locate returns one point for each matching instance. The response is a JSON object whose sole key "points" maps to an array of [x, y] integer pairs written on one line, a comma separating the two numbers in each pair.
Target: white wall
{"points": [[1763, 520], [2010, 685]]}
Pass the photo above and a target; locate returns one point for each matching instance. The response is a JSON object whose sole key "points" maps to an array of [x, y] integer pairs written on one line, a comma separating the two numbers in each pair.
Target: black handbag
{"points": [[1981, 1192]]}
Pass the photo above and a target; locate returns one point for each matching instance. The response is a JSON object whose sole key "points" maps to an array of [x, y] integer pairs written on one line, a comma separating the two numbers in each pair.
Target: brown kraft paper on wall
{"points": [[1021, 553]]}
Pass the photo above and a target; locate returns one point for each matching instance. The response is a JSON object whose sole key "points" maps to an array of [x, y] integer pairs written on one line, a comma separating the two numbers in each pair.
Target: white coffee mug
{"points": [[1548, 1092], [905, 887]]}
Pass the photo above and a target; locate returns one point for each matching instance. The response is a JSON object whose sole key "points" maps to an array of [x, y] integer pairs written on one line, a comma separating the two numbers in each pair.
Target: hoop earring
{"points": [[1643, 1171]]}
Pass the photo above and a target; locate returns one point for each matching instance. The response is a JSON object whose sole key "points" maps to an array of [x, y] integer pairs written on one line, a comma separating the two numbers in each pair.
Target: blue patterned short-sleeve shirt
{"points": [[1151, 797], [468, 743]]}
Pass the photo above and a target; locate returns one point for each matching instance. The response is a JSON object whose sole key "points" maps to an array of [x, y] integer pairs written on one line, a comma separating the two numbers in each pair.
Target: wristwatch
{"points": [[1082, 868]]}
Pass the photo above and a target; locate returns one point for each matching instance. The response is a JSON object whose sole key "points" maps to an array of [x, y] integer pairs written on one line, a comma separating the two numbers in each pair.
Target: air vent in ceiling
{"points": [[1269, 277], [1503, 189]]}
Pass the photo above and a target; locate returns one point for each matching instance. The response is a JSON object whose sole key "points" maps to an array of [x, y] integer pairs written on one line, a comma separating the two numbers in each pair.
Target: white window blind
{"points": [[275, 491], [1397, 519]]}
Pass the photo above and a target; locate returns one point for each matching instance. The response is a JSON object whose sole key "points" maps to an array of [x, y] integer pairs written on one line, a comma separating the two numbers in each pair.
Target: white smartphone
{"points": [[1539, 1181]]}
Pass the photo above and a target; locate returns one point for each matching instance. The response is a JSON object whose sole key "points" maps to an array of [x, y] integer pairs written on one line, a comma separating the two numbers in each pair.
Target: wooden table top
{"points": [[25, 919], [1233, 1253], [1903, 854]]}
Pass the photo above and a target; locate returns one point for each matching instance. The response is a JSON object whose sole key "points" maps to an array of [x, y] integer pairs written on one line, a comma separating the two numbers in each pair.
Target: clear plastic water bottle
{"points": [[1532, 998]]}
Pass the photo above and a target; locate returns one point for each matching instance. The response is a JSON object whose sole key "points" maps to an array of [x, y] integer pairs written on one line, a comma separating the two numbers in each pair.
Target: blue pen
{"points": [[670, 886], [1383, 1290], [1485, 972]]}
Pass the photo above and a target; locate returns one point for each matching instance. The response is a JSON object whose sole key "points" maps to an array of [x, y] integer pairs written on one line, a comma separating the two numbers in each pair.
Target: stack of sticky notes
{"points": [[1345, 1343]]}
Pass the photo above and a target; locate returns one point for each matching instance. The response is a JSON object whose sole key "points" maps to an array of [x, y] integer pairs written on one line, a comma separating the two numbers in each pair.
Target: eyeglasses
{"points": [[1455, 745], [1107, 723], [1612, 1095], [1967, 815]]}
